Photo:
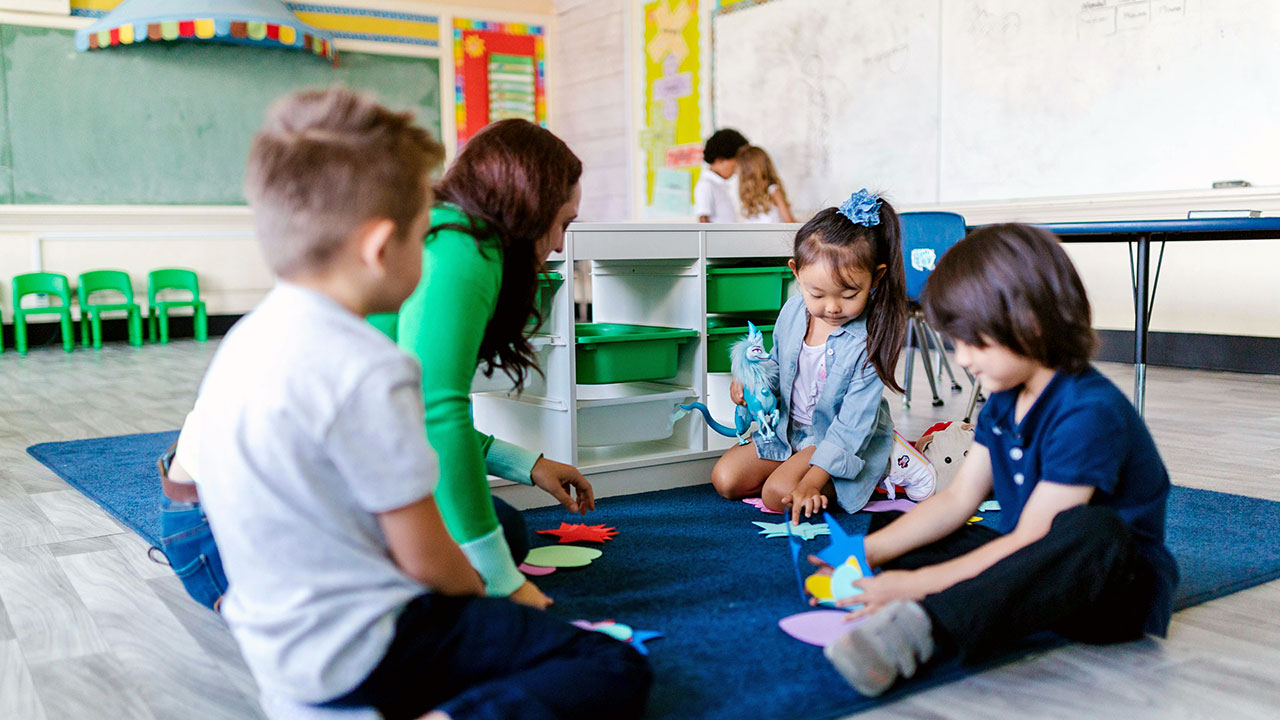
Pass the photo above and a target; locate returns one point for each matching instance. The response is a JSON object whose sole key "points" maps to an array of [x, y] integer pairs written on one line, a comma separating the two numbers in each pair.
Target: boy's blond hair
{"points": [[324, 163]]}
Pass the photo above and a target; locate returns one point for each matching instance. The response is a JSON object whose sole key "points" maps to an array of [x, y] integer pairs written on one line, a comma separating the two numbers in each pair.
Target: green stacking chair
{"points": [[386, 322], [52, 285], [116, 281], [158, 310]]}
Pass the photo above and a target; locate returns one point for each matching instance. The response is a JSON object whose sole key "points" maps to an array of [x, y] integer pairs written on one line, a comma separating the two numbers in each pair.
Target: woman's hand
{"points": [[880, 590], [529, 594], [735, 393], [557, 478]]}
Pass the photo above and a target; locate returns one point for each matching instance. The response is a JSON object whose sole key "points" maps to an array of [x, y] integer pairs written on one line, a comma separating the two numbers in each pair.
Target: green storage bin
{"points": [[745, 289], [386, 322], [723, 332], [613, 353], [542, 295]]}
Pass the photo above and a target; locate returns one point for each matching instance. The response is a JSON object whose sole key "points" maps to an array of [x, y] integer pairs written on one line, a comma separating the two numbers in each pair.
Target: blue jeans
{"points": [[492, 659], [188, 544]]}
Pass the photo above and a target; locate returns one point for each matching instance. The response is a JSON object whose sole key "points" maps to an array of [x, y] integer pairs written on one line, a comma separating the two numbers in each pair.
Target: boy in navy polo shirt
{"points": [[1080, 545]]}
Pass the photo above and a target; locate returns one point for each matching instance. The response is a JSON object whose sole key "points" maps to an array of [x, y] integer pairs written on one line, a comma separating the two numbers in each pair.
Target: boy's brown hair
{"points": [[324, 163], [1015, 286]]}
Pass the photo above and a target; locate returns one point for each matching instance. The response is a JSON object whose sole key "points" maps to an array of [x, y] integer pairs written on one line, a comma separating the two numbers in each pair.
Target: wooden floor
{"points": [[90, 628]]}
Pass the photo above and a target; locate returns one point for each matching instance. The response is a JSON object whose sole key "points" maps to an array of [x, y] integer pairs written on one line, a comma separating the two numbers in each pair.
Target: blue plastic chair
{"points": [[926, 237]]}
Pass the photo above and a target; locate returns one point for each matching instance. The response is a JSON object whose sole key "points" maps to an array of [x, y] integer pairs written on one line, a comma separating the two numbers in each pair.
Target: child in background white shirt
{"points": [[715, 197]]}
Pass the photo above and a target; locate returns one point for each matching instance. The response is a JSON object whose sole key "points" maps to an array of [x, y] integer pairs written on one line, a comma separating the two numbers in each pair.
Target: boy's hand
{"points": [[529, 594], [804, 498], [735, 393], [557, 478], [880, 590]]}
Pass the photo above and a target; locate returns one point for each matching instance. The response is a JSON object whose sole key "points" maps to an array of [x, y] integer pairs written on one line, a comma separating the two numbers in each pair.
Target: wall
{"points": [[1224, 288], [216, 241], [591, 112]]}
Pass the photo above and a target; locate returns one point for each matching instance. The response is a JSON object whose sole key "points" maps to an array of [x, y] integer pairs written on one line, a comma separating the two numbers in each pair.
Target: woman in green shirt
{"points": [[506, 202]]}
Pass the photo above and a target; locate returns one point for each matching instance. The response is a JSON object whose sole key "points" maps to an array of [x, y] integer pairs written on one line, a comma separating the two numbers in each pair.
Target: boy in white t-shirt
{"points": [[345, 587], [715, 197]]}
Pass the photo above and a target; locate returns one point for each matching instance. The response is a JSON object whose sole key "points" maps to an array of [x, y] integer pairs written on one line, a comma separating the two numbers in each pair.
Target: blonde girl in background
{"points": [[760, 188]]}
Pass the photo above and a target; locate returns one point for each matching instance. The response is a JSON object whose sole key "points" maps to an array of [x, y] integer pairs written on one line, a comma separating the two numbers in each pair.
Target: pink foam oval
{"points": [[816, 627], [535, 570]]}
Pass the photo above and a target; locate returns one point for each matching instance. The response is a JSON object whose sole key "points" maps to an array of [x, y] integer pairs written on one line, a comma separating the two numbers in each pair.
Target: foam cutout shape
{"points": [[759, 505], [817, 627], [535, 570], [579, 532], [619, 631], [807, 531], [561, 556], [848, 560], [989, 506], [902, 504]]}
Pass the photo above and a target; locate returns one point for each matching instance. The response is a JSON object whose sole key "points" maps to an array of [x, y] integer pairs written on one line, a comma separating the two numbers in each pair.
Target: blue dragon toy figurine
{"points": [[758, 374]]}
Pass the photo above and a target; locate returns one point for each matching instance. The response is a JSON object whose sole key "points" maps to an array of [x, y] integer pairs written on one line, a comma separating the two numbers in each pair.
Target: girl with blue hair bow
{"points": [[836, 344]]}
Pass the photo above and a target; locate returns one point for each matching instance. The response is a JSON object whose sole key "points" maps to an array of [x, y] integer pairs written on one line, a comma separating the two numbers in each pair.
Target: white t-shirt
{"points": [[772, 215], [310, 423], [811, 378], [717, 197]]}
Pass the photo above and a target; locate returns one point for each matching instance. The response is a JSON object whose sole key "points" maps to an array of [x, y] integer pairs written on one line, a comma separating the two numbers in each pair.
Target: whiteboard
{"points": [[1002, 99], [812, 86]]}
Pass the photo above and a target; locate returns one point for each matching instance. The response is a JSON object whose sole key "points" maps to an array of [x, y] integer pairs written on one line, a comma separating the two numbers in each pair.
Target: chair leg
{"points": [[928, 366], [84, 328], [943, 363], [973, 400], [97, 331], [68, 332], [911, 364], [163, 319], [135, 327], [20, 331], [151, 325], [201, 322]]}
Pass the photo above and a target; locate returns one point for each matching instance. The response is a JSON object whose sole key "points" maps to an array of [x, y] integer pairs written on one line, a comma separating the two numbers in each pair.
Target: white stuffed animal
{"points": [[928, 465]]}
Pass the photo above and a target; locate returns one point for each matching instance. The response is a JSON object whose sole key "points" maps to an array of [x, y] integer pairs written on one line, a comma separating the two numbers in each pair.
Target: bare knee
{"points": [[730, 482], [775, 489]]}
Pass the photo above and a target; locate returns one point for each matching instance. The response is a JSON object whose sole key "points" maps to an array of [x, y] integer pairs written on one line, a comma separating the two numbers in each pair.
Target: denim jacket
{"points": [[851, 422]]}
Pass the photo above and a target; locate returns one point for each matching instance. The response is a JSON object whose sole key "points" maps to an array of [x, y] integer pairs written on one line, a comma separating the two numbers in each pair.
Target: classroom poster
{"points": [[672, 136], [499, 73]]}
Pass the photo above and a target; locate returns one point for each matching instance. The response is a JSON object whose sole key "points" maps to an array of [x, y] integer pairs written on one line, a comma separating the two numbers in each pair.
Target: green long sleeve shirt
{"points": [[442, 325]]}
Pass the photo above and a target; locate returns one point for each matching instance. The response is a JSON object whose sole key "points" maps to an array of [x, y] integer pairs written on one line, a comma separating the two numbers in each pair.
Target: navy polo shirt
{"points": [[1082, 430]]}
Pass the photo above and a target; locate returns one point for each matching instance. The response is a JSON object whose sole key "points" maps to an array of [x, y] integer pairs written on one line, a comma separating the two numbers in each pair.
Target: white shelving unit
{"points": [[641, 274]]}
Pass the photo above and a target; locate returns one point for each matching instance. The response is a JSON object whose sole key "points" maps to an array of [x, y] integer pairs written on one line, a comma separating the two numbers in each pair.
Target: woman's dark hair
{"points": [[847, 247], [511, 179], [723, 143], [1013, 285]]}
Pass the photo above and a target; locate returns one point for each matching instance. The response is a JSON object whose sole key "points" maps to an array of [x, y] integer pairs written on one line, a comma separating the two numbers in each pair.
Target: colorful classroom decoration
{"points": [[672, 137], [248, 22], [499, 73], [580, 532]]}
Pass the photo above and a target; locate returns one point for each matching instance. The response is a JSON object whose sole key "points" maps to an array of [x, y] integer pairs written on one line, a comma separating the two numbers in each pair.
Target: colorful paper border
{"points": [[471, 75]]}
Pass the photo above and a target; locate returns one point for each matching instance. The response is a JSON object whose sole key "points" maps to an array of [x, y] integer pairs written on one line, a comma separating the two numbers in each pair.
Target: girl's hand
{"points": [[880, 590], [735, 393], [805, 498], [557, 478], [529, 594]]}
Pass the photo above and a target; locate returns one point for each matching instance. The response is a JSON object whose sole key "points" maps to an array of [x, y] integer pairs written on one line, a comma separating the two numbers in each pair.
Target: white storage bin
{"points": [[627, 412]]}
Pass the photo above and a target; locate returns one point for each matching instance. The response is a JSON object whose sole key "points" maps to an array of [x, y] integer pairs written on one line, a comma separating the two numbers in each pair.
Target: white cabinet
{"points": [[641, 274]]}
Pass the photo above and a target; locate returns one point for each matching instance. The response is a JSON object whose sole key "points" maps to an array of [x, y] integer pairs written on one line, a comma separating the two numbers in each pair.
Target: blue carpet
{"points": [[692, 566]]}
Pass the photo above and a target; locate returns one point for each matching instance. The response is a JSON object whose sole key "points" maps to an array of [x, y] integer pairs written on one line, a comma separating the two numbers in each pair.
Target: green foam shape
{"points": [[562, 556]]}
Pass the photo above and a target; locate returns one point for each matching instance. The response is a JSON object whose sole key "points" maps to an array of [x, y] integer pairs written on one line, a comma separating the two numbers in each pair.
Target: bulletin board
{"points": [[499, 73]]}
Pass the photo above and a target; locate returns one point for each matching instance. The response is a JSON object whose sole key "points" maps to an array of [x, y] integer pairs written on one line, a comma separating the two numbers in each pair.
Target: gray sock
{"points": [[890, 644]]}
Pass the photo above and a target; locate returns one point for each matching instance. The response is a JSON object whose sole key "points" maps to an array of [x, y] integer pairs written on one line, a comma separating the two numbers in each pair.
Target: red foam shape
{"points": [[581, 533]]}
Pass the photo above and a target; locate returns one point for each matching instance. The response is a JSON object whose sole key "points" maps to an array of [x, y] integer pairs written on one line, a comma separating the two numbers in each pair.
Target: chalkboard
{"points": [[962, 100], [162, 123]]}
